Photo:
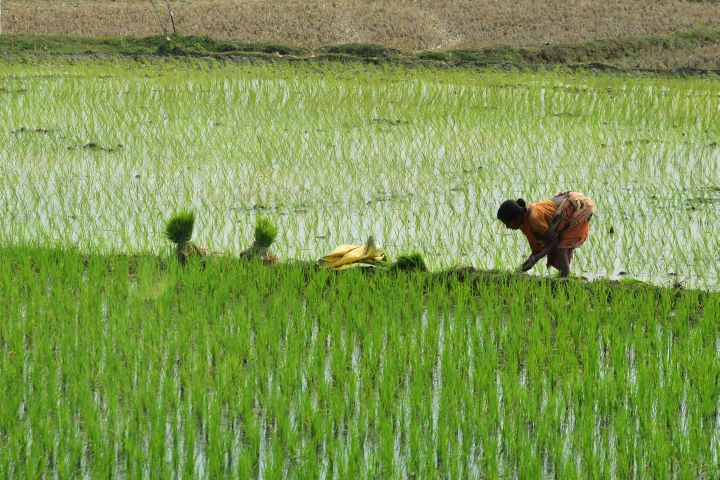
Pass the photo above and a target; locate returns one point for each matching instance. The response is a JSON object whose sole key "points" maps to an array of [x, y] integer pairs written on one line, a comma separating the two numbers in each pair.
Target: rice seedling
{"points": [[108, 366], [179, 230], [265, 235], [410, 262], [180, 227]]}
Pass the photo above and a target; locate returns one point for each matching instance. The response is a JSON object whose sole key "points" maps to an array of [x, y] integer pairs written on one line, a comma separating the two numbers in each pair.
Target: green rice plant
{"points": [[179, 230], [265, 235], [410, 262], [265, 232]]}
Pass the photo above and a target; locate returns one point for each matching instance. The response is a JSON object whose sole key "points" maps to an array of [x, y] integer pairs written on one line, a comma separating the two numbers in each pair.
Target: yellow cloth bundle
{"points": [[351, 256]]}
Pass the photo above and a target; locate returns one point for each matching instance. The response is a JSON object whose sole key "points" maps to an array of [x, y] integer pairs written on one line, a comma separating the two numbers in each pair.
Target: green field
{"points": [[115, 366], [117, 362]]}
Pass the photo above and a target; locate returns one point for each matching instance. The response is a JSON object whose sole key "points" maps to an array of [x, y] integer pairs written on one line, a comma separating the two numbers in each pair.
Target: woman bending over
{"points": [[554, 227]]}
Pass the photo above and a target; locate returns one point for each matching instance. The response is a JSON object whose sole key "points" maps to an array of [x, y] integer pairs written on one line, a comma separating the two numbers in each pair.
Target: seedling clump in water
{"points": [[179, 230], [410, 262], [265, 234]]}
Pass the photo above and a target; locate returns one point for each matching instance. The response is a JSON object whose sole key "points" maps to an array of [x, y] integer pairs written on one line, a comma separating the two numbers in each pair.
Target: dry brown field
{"points": [[408, 25]]}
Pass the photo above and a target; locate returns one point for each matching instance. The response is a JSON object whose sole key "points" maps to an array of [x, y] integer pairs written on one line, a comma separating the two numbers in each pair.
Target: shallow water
{"points": [[419, 161]]}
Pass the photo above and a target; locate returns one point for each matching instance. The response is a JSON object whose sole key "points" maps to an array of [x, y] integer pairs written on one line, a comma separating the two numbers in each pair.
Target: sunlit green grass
{"points": [[99, 154], [116, 366]]}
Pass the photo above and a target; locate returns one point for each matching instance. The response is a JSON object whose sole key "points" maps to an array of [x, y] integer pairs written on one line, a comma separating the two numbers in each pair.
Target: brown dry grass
{"points": [[407, 25]]}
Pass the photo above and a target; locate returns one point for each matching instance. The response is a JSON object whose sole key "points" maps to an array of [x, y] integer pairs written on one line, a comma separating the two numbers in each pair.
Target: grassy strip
{"points": [[594, 53], [473, 278]]}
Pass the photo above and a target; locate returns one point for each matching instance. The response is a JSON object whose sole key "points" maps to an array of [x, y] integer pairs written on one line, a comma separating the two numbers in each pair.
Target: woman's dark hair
{"points": [[511, 210]]}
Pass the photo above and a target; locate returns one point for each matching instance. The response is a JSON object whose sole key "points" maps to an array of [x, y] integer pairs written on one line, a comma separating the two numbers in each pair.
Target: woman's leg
{"points": [[560, 258]]}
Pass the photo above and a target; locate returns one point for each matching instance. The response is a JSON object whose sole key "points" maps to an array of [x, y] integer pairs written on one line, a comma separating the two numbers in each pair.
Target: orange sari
{"points": [[570, 219]]}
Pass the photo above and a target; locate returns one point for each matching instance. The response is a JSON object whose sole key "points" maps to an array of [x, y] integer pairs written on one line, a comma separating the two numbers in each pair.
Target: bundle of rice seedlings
{"points": [[265, 235], [410, 262], [179, 230]]}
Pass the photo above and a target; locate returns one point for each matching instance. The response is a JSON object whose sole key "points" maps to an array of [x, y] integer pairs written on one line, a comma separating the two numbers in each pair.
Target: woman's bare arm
{"points": [[552, 239]]}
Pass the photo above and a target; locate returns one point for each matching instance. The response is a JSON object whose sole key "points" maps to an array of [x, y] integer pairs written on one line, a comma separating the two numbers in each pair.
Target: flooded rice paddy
{"points": [[116, 362], [97, 156]]}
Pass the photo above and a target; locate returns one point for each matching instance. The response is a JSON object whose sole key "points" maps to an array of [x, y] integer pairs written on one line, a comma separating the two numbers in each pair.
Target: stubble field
{"points": [[408, 26]]}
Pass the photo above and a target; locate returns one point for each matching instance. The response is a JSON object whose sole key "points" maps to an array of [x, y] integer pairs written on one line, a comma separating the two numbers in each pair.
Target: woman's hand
{"points": [[552, 239], [529, 263]]}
